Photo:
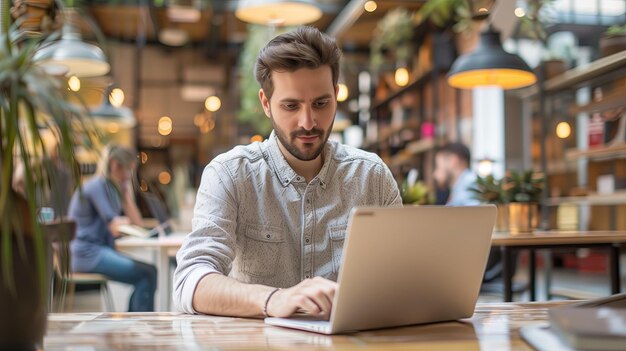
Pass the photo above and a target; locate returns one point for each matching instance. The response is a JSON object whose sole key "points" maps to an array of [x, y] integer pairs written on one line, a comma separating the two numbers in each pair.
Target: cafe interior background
{"points": [[173, 79]]}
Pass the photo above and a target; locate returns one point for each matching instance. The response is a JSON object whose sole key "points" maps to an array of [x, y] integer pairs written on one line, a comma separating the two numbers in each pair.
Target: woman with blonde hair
{"points": [[106, 202]]}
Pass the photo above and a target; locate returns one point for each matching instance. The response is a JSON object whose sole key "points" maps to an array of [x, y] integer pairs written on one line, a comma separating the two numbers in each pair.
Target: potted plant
{"points": [[34, 109], [488, 190], [613, 40], [522, 191], [415, 192]]}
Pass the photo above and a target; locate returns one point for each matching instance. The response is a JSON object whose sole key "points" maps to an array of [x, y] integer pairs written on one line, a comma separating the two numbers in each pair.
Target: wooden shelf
{"points": [[598, 153], [583, 74], [613, 100], [418, 81], [618, 198], [387, 132], [558, 167], [415, 148], [578, 75]]}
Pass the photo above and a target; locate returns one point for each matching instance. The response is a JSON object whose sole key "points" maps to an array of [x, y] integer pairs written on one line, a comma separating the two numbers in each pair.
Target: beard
{"points": [[310, 151]]}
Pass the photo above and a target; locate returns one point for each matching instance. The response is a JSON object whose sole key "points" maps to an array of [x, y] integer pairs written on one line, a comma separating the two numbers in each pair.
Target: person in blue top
{"points": [[452, 171], [106, 202]]}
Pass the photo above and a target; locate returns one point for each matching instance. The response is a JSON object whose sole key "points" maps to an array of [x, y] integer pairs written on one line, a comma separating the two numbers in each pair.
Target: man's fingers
{"points": [[308, 305]]}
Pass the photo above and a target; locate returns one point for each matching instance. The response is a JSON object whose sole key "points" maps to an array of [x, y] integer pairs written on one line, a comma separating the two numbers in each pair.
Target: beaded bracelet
{"points": [[267, 301]]}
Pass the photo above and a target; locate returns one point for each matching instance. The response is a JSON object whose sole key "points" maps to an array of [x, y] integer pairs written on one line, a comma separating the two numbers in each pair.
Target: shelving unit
{"points": [[596, 211], [412, 149], [618, 198], [612, 152]]}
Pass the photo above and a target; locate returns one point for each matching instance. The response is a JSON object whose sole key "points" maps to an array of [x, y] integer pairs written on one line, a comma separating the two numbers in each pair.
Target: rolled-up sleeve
{"points": [[210, 247]]}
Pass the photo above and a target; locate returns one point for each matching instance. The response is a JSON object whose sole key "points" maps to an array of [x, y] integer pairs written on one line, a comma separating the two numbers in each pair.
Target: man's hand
{"points": [[313, 296], [115, 223]]}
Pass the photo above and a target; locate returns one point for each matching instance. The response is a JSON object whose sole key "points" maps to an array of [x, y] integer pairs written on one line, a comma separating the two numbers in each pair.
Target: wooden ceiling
{"points": [[130, 22]]}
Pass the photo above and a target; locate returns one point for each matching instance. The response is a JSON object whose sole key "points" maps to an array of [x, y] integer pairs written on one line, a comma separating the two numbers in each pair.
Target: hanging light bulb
{"points": [[73, 83], [370, 6], [165, 125], [116, 97], [485, 167], [402, 76], [212, 103], [342, 93], [563, 130]]}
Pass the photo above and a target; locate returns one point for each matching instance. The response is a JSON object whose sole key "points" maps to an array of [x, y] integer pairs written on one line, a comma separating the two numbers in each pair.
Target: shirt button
{"points": [[307, 240], [307, 277], [268, 236], [299, 179]]}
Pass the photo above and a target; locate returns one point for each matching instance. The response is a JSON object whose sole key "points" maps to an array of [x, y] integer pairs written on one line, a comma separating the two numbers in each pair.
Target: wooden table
{"points": [[493, 327], [162, 246], [509, 243]]}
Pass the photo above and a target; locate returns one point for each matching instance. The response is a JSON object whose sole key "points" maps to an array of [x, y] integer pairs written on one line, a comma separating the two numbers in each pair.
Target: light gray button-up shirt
{"points": [[259, 222]]}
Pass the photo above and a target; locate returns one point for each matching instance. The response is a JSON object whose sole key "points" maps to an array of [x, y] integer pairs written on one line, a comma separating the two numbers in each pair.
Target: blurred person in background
{"points": [[452, 171], [107, 201]]}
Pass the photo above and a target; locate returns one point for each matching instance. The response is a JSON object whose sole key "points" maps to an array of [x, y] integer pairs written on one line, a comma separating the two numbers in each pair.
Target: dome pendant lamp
{"points": [[490, 65], [278, 12]]}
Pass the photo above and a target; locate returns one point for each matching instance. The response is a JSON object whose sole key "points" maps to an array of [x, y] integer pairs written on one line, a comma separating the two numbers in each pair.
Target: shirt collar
{"points": [[283, 170]]}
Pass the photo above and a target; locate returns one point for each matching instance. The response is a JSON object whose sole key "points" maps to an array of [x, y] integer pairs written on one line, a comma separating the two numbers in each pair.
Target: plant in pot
{"points": [[522, 192], [415, 192], [488, 190], [613, 40], [34, 114]]}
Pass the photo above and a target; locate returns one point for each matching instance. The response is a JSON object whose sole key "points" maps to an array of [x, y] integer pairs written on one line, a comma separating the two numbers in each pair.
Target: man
{"points": [[270, 218], [452, 170]]}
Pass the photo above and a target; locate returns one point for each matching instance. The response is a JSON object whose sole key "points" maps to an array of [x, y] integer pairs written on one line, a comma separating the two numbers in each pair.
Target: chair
{"points": [[68, 281]]}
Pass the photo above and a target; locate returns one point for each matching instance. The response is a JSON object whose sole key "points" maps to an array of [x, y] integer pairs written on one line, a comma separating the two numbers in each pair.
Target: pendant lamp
{"points": [[490, 65], [81, 59], [111, 117], [278, 12]]}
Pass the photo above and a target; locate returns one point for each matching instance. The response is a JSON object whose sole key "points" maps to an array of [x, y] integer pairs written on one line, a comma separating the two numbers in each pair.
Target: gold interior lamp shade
{"points": [[490, 65], [278, 12]]}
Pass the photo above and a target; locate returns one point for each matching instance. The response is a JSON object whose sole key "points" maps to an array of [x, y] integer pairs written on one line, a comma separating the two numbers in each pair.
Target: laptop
{"points": [[405, 266]]}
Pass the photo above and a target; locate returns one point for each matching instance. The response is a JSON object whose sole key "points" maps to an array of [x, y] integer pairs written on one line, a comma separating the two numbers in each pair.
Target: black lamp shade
{"points": [[490, 65]]}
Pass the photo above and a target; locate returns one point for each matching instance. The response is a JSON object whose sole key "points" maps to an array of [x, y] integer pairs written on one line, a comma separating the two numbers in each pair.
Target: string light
{"points": [[402, 76], [212, 103], [165, 125], [116, 97], [73, 83], [563, 130], [370, 6]]}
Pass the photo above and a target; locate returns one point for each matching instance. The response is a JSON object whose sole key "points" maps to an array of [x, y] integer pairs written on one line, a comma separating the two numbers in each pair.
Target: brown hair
{"points": [[305, 47], [122, 155]]}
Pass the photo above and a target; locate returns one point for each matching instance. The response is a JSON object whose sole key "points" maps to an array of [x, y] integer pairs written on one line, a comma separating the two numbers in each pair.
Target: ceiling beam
{"points": [[346, 18]]}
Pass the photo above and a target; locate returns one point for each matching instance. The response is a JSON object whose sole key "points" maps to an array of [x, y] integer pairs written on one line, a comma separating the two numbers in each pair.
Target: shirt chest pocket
{"points": [[262, 249], [337, 234]]}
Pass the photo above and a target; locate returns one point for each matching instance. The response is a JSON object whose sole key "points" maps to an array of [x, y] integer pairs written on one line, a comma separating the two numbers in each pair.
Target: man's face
{"points": [[443, 170], [302, 109], [120, 174]]}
